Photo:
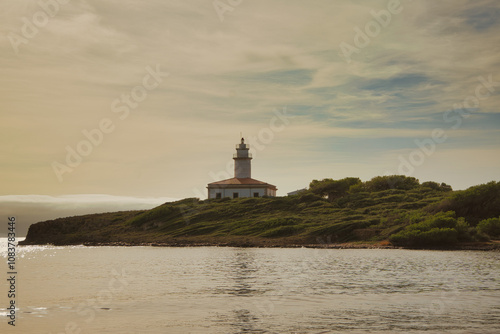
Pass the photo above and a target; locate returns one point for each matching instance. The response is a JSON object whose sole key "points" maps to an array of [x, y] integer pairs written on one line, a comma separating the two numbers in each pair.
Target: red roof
{"points": [[241, 181]]}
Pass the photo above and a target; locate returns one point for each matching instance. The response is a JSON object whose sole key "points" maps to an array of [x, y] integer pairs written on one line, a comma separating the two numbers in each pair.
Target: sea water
{"points": [[79, 289]]}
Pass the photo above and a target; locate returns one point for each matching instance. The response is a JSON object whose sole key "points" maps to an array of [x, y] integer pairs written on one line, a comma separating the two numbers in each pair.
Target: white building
{"points": [[296, 192], [242, 184]]}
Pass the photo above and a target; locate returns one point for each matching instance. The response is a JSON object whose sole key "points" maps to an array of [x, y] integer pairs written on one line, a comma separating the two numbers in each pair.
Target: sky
{"points": [[125, 104]]}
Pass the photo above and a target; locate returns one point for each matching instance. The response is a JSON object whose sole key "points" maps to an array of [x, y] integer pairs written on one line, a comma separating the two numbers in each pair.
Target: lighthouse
{"points": [[242, 161], [242, 184]]}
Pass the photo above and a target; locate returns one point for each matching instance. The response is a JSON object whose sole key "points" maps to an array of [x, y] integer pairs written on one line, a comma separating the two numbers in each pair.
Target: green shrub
{"points": [[308, 197], [440, 236], [319, 204], [333, 189], [414, 217], [282, 231], [431, 185], [491, 227], [440, 220], [465, 232], [356, 188], [442, 229], [404, 238], [475, 203], [275, 222], [402, 182], [445, 187], [435, 237]]}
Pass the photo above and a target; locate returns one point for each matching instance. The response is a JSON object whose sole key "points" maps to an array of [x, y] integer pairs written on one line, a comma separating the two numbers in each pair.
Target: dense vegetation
{"points": [[395, 209]]}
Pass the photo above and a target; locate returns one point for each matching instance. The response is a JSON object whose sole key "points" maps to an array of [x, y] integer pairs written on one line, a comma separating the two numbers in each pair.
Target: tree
{"points": [[475, 203], [380, 183], [333, 189]]}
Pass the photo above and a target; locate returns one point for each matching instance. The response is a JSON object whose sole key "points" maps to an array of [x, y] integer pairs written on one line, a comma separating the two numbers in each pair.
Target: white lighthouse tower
{"points": [[242, 184], [242, 161]]}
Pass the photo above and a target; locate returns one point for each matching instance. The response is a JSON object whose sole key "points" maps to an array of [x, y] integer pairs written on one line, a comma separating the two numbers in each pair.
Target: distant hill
{"points": [[383, 212]]}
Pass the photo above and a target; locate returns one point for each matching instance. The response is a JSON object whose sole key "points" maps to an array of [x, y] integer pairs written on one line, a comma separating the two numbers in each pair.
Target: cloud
{"points": [[229, 77]]}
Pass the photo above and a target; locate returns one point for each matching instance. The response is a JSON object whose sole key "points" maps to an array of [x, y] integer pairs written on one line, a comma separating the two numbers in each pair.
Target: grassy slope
{"points": [[299, 219], [368, 217]]}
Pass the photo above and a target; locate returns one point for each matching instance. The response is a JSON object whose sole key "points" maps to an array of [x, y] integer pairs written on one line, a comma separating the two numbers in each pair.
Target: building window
{"points": [[255, 194], [218, 195], [235, 195]]}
